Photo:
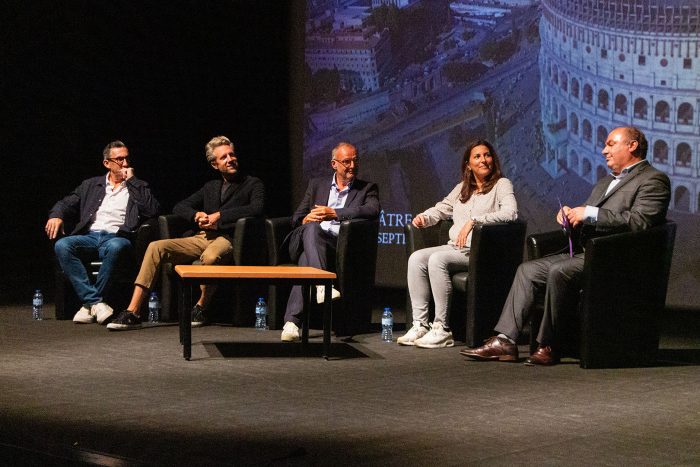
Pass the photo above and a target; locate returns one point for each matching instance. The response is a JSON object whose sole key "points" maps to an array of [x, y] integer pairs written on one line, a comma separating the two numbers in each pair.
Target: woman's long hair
{"points": [[468, 179]]}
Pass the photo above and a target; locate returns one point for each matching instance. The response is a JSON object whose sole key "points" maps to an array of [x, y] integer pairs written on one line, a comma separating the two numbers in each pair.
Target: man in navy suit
{"points": [[316, 223], [213, 212], [635, 196]]}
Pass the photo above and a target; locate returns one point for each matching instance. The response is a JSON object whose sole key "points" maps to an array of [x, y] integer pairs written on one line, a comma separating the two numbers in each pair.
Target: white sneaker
{"points": [[102, 312], [417, 331], [435, 338], [321, 294], [84, 316], [290, 332]]}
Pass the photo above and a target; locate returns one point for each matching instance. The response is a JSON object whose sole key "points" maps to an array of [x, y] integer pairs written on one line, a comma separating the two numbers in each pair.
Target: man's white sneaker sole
{"points": [[438, 345], [83, 316]]}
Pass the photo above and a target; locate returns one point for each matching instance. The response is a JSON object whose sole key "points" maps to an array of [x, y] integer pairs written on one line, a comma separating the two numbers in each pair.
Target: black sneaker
{"points": [[125, 321], [198, 318]]}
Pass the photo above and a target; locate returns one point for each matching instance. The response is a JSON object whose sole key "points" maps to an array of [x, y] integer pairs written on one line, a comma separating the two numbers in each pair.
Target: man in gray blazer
{"points": [[634, 197], [328, 201]]}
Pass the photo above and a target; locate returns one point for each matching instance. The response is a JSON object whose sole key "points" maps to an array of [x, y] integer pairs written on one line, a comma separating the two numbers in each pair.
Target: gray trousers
{"points": [[561, 277], [430, 269]]}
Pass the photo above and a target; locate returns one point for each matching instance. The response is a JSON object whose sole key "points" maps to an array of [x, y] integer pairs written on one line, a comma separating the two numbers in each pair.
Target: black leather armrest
{"points": [[417, 239], [173, 226], [276, 229], [358, 237], [547, 243], [145, 234]]}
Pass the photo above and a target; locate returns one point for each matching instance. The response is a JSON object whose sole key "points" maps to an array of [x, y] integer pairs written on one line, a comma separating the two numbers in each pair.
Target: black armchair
{"points": [[249, 248], [355, 265], [480, 292], [623, 293], [119, 292]]}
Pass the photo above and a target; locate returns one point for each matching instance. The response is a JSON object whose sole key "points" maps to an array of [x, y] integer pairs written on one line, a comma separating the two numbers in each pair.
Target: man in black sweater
{"points": [[214, 209]]}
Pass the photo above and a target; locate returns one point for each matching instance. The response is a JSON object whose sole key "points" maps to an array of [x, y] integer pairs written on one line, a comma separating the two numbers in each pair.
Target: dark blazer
{"points": [[362, 201], [84, 201], [638, 202], [244, 198]]}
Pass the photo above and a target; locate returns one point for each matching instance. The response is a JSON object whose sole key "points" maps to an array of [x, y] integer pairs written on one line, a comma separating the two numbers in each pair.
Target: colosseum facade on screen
{"points": [[606, 64]]}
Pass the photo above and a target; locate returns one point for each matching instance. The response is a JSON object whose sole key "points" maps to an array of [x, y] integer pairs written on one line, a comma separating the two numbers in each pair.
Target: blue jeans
{"points": [[107, 246]]}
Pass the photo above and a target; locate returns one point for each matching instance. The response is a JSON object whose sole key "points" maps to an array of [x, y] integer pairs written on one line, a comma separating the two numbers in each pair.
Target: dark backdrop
{"points": [[164, 77]]}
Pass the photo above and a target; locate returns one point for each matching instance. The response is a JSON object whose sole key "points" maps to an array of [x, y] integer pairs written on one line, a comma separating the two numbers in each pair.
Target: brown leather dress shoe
{"points": [[495, 348], [544, 355]]}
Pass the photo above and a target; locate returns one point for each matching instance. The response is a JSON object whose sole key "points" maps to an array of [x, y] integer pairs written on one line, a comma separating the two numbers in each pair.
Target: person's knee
{"points": [[209, 257], [312, 231], [527, 270], [437, 262], [62, 247], [417, 261], [559, 271], [117, 246]]}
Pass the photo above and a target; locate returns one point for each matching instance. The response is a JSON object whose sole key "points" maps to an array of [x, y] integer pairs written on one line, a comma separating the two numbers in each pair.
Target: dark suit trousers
{"points": [[313, 248], [560, 276]]}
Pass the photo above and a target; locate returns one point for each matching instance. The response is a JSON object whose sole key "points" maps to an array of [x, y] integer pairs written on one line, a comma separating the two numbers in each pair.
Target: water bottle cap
{"points": [[387, 308], [37, 291]]}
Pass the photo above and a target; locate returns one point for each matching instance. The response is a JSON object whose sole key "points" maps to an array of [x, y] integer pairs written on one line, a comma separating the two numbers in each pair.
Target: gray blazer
{"points": [[638, 202]]}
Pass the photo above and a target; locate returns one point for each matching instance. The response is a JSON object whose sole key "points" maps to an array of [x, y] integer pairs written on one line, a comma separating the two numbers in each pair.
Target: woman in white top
{"points": [[482, 196]]}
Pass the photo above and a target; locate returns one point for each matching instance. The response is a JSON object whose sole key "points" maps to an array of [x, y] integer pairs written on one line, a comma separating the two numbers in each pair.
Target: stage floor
{"points": [[73, 394]]}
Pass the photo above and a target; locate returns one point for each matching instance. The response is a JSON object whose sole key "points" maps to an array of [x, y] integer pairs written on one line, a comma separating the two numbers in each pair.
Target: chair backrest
{"points": [[249, 242], [276, 229]]}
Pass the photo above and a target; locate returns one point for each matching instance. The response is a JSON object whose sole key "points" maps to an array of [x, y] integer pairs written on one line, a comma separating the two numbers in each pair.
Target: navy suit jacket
{"points": [[362, 202], [86, 199]]}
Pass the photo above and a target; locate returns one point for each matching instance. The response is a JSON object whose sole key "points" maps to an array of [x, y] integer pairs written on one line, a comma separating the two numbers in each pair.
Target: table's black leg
{"points": [[327, 318], [305, 321], [186, 319]]}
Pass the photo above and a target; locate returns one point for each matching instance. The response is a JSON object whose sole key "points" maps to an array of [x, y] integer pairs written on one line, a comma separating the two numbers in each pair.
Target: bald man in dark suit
{"points": [[635, 196], [328, 201]]}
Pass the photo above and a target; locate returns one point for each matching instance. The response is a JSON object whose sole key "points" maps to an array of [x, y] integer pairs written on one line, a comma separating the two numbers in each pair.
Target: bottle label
{"points": [[387, 322], [37, 302]]}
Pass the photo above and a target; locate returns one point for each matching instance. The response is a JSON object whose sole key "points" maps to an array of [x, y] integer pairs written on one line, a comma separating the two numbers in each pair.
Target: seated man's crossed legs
{"points": [[312, 247], [203, 246], [560, 276]]}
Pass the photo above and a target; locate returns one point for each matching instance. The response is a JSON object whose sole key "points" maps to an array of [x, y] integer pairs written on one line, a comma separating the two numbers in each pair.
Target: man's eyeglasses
{"points": [[118, 160], [348, 162]]}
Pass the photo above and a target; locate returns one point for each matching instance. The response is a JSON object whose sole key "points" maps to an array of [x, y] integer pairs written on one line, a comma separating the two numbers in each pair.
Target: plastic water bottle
{"points": [[261, 315], [387, 325], [153, 308], [38, 305]]}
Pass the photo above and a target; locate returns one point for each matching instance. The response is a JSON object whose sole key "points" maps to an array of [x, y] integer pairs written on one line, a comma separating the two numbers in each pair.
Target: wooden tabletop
{"points": [[188, 271]]}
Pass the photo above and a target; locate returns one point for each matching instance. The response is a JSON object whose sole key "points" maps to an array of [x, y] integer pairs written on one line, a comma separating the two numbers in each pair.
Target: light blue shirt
{"points": [[591, 212], [336, 199]]}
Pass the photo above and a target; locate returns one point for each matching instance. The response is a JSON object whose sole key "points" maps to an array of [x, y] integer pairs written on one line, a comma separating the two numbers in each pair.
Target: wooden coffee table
{"points": [[193, 275]]}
